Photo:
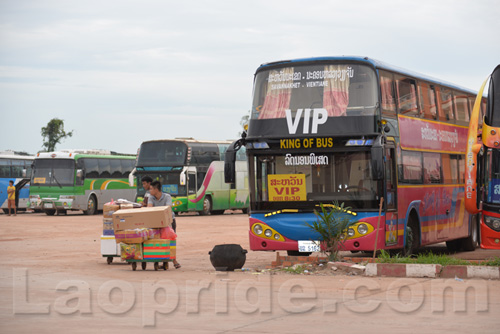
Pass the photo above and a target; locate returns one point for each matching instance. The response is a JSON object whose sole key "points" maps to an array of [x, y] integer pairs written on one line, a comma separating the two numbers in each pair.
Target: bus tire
{"points": [[50, 212], [470, 243], [412, 242], [91, 206], [207, 206], [454, 245]]}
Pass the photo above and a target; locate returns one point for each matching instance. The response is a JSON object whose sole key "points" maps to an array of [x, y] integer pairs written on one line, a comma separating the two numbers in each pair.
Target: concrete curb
{"points": [[431, 270]]}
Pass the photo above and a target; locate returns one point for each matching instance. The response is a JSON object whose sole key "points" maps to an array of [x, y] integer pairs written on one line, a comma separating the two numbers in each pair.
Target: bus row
{"points": [[190, 170]]}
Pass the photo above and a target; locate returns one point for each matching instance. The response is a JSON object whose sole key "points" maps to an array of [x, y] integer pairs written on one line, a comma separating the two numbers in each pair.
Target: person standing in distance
{"points": [[146, 184], [11, 197], [159, 198]]}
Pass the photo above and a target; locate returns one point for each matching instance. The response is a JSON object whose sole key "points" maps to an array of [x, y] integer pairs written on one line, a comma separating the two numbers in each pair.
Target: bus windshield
{"points": [[345, 177], [53, 172], [162, 153], [341, 89]]}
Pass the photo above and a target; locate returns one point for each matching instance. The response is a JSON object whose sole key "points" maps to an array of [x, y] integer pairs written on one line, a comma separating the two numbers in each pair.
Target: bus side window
{"points": [[427, 100], [410, 167], [91, 168], [432, 168], [115, 168], [387, 91], [461, 106], [104, 168], [407, 96], [447, 104], [127, 167], [4, 168]]}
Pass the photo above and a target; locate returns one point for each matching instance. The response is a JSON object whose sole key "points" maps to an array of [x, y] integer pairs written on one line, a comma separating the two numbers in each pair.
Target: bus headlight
{"points": [[492, 222], [257, 229], [350, 232], [268, 233], [362, 229], [277, 236]]}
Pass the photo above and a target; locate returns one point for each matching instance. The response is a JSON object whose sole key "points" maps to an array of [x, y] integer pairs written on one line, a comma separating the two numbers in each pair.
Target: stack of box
{"points": [[107, 226], [138, 232]]}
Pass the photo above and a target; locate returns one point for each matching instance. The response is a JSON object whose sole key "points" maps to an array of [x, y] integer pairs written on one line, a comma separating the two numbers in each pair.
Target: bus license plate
{"points": [[309, 246], [48, 205]]}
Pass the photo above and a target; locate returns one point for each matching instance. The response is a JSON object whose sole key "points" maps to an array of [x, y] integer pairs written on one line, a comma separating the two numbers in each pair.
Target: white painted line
{"points": [[371, 269], [483, 272], [421, 270]]}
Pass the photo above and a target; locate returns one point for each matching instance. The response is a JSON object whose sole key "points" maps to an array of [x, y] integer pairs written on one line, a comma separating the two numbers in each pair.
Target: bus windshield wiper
{"points": [[55, 179]]}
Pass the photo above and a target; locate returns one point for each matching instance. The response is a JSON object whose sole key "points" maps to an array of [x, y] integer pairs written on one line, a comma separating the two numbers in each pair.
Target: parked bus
{"points": [[360, 132], [482, 194], [80, 180], [192, 172], [17, 168]]}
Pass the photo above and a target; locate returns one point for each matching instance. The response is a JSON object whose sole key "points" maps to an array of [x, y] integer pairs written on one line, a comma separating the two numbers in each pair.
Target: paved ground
{"points": [[53, 279]]}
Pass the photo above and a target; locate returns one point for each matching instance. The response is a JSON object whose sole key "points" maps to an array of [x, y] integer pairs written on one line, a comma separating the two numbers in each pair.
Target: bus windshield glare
{"points": [[345, 177], [53, 172], [342, 90]]}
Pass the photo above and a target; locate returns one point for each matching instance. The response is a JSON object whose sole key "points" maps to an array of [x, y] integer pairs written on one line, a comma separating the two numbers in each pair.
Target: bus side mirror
{"points": [[230, 160], [131, 178], [377, 152], [79, 176], [24, 173], [230, 165]]}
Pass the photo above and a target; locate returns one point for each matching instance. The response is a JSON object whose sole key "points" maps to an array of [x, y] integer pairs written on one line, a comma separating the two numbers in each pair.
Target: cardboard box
{"points": [[155, 217], [109, 246], [137, 235], [131, 251], [109, 209], [159, 249], [107, 224]]}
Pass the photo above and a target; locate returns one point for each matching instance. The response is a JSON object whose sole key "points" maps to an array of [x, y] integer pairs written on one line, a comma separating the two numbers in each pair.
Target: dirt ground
{"points": [[53, 279]]}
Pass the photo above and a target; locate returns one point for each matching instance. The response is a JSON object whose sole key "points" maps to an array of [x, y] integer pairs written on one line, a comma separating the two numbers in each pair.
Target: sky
{"points": [[120, 72]]}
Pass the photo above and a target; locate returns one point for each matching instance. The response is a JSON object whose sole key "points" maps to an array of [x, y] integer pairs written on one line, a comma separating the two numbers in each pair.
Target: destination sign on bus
{"points": [[287, 187]]}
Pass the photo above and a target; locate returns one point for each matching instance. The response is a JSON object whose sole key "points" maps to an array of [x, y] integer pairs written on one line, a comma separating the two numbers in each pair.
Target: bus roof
{"points": [[76, 155], [191, 140], [9, 155], [379, 65]]}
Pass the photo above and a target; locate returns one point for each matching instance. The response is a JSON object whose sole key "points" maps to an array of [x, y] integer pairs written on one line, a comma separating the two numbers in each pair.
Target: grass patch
{"points": [[295, 269], [430, 258]]}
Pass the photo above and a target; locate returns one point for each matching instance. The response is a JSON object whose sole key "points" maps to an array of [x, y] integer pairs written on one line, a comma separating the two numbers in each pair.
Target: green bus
{"points": [[192, 172], [80, 180]]}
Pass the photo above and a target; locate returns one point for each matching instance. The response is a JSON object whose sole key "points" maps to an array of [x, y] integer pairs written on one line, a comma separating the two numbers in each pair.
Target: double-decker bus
{"points": [[192, 172], [356, 131], [17, 168], [482, 194], [80, 180]]}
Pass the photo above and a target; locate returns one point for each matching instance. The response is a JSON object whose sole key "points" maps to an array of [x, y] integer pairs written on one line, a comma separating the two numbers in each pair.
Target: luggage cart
{"points": [[156, 263], [109, 248]]}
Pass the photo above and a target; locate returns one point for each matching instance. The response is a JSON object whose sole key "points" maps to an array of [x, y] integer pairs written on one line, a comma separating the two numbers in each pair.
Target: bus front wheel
{"points": [[207, 206], [412, 242], [50, 212], [91, 206]]}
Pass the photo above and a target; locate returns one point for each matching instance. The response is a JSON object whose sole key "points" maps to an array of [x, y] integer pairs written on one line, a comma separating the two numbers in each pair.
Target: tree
{"points": [[332, 224], [53, 133]]}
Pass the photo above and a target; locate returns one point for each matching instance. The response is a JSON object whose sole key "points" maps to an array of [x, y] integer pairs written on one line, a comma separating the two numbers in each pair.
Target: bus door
{"points": [[191, 188], [391, 217]]}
